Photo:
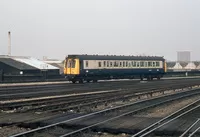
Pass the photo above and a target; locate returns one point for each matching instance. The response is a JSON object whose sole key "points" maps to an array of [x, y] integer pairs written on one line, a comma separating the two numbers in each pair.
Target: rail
{"points": [[187, 131], [155, 102], [168, 119], [194, 132]]}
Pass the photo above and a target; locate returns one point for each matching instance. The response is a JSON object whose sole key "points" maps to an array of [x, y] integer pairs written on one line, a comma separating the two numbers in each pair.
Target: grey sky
{"points": [[55, 28]]}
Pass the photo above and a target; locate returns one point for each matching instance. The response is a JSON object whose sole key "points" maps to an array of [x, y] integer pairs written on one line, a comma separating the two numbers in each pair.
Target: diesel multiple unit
{"points": [[79, 68]]}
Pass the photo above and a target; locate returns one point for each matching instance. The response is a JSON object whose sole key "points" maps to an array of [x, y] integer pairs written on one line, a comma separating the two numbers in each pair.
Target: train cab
{"points": [[71, 68]]}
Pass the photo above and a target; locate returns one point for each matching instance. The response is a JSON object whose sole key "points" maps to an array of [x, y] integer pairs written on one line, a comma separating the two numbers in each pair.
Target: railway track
{"points": [[128, 90], [168, 119], [80, 124], [88, 99], [31, 92], [79, 102], [191, 130], [60, 89]]}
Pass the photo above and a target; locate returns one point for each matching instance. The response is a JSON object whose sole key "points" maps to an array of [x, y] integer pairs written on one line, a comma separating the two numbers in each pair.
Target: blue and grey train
{"points": [[80, 68]]}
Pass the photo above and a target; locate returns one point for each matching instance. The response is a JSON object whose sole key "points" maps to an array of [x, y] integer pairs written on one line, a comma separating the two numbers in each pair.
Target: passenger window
{"points": [[154, 64], [123, 64], [138, 64], [115, 64], [86, 64], [126, 63], [129, 64], [99, 64], [107, 63], [145, 64], [157, 64], [142, 63], [104, 63], [150, 64], [134, 64], [111, 64], [120, 64]]}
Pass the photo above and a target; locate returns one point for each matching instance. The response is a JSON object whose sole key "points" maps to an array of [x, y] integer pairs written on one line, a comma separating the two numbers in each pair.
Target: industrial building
{"points": [[55, 63], [13, 67], [183, 66]]}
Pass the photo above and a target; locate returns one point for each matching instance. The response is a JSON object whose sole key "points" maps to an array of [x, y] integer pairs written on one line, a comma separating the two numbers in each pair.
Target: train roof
{"points": [[115, 57]]}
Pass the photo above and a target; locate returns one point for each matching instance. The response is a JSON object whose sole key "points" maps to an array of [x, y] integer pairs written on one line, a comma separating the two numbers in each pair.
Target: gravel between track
{"points": [[128, 124], [153, 114], [7, 131], [162, 111], [141, 120]]}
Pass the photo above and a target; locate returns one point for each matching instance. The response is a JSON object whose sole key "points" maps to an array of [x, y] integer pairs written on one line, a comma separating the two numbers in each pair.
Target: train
{"points": [[92, 68]]}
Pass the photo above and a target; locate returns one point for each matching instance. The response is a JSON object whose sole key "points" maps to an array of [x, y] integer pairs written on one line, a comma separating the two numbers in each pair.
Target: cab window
{"points": [[65, 63], [73, 63], [69, 64]]}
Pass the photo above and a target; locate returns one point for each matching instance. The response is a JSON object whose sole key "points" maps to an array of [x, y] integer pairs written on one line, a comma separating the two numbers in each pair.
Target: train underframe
{"points": [[95, 78]]}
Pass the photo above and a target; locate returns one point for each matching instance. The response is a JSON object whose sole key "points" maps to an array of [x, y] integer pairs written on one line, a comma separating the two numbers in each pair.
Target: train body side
{"points": [[93, 69]]}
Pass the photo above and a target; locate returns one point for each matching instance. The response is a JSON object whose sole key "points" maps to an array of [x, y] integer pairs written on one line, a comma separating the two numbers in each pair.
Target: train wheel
{"points": [[158, 78], [95, 81], [141, 78], [149, 78], [80, 81], [88, 81]]}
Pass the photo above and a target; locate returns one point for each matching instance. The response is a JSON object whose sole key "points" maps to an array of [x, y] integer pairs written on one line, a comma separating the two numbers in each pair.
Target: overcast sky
{"points": [[55, 28]]}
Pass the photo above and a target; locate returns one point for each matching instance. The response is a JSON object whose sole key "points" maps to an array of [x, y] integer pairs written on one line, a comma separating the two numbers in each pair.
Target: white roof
{"points": [[52, 61], [198, 67], [177, 66], [190, 65], [34, 62]]}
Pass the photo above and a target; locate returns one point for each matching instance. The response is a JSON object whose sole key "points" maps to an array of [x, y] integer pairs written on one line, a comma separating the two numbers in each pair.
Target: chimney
{"points": [[9, 44]]}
